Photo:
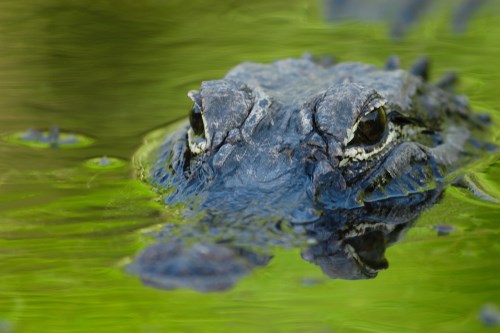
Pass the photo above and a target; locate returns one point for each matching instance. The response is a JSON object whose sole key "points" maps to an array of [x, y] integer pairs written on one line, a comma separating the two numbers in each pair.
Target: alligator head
{"points": [[338, 160], [295, 137]]}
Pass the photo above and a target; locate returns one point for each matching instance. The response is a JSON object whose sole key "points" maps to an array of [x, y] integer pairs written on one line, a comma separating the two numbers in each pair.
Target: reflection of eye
{"points": [[196, 121], [371, 128]]}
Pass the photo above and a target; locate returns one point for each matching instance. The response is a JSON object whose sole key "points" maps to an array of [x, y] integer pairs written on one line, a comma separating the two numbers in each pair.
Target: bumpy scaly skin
{"points": [[357, 151], [279, 137]]}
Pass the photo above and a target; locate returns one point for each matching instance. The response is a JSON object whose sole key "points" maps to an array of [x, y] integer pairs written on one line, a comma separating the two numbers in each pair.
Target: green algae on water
{"points": [[105, 163], [52, 138]]}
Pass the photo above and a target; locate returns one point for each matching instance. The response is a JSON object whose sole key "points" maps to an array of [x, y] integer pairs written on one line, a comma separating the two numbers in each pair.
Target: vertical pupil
{"points": [[196, 121]]}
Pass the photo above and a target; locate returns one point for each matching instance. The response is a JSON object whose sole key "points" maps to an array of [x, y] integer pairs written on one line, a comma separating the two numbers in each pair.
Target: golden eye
{"points": [[371, 129]]}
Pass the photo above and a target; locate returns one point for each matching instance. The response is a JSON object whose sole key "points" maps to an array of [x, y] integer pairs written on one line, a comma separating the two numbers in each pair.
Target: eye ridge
{"points": [[371, 129]]}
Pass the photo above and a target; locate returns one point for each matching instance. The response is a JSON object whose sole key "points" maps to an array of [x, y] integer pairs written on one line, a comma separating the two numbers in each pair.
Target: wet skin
{"points": [[296, 137], [337, 158]]}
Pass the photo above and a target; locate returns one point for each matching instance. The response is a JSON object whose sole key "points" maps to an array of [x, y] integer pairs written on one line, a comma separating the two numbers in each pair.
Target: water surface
{"points": [[116, 70]]}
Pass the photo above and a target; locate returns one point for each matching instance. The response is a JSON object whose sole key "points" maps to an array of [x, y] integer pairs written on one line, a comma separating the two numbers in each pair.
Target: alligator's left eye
{"points": [[371, 128]]}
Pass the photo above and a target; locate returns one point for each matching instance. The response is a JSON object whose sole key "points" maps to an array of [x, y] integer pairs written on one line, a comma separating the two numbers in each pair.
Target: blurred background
{"points": [[115, 70]]}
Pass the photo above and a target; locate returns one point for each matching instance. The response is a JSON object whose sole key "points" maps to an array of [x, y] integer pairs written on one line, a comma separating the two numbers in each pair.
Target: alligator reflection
{"points": [[212, 256]]}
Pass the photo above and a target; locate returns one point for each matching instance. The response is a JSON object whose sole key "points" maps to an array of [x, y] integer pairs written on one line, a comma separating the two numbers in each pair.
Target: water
{"points": [[114, 71]]}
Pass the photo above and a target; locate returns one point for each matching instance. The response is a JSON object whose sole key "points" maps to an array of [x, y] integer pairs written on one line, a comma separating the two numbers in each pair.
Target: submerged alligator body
{"points": [[345, 154], [403, 14]]}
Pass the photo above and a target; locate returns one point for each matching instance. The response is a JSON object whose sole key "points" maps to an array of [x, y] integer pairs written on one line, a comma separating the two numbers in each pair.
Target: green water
{"points": [[114, 70]]}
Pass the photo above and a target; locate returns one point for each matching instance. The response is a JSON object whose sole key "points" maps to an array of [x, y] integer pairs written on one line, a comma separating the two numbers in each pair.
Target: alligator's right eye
{"points": [[371, 128], [369, 136], [196, 121]]}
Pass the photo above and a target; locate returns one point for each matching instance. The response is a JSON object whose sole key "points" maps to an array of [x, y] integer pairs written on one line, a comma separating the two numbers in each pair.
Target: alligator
{"points": [[305, 149]]}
